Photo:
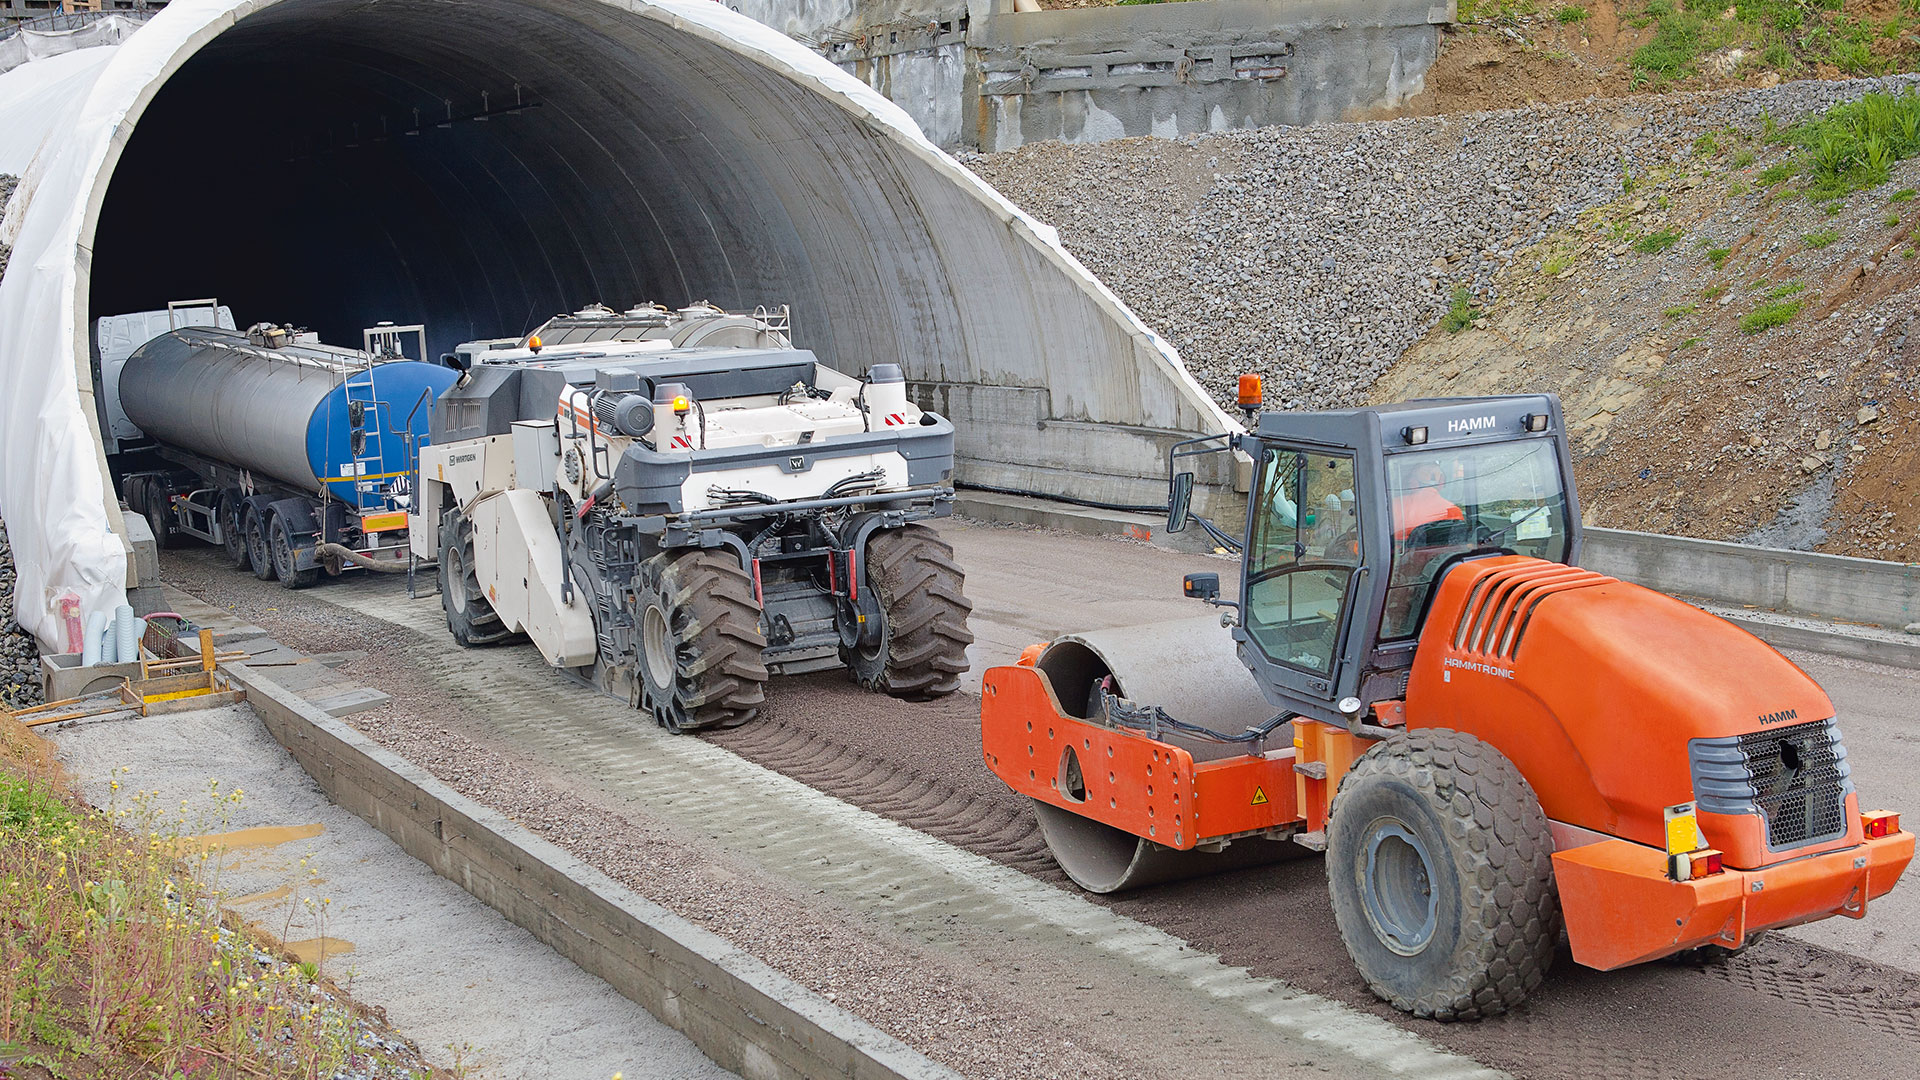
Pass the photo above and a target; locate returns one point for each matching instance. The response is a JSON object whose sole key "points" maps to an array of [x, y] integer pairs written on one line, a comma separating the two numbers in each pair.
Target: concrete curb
{"points": [[1834, 642], [1805, 583], [743, 1014]]}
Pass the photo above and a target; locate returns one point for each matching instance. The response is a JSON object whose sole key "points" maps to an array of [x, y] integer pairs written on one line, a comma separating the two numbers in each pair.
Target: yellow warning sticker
{"points": [[1259, 796]]}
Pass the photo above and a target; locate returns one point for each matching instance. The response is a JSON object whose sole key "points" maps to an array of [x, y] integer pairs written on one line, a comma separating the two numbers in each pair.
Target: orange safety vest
{"points": [[1419, 507]]}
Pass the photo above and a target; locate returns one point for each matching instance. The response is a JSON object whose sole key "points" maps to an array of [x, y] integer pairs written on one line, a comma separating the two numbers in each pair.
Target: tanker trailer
{"points": [[292, 456]]}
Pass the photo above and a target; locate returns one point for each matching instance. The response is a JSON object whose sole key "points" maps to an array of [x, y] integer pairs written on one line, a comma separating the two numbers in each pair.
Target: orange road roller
{"points": [[1492, 746]]}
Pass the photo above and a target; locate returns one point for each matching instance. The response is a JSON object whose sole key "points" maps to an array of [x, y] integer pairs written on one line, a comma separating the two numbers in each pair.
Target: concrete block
{"points": [[143, 556], [62, 677], [352, 701]]}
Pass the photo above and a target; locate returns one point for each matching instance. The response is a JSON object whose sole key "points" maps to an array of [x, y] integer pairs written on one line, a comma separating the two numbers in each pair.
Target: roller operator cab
{"points": [[674, 504], [1488, 742]]}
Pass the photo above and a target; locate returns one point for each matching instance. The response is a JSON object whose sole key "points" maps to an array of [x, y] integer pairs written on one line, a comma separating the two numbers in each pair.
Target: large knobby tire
{"points": [[280, 544], [700, 642], [921, 650], [1439, 861], [470, 615], [259, 550], [233, 538]]}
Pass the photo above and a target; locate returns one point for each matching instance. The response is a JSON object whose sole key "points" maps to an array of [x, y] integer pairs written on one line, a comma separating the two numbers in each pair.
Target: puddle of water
{"points": [[265, 836], [314, 950]]}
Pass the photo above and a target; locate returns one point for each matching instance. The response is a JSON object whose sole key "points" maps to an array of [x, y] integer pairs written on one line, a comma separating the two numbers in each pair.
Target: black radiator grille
{"points": [[1796, 778]]}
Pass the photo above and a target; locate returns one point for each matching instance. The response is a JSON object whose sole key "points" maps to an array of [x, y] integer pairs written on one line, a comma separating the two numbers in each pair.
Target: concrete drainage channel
{"points": [[747, 1017]]}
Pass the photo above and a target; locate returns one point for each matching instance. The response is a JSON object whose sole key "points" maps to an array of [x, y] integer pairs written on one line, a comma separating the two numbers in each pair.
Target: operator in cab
{"points": [[1420, 502]]}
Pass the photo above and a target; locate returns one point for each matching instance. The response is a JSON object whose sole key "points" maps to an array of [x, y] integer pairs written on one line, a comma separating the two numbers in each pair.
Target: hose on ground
{"points": [[339, 551]]}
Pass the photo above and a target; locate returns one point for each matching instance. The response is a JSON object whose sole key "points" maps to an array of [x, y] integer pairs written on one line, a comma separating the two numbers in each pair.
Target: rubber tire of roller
{"points": [[259, 553], [705, 601], [232, 512], [922, 648], [1488, 852], [470, 615], [280, 544]]}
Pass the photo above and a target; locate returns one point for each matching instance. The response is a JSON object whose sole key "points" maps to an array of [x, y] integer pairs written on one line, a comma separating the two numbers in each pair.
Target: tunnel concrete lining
{"points": [[476, 165]]}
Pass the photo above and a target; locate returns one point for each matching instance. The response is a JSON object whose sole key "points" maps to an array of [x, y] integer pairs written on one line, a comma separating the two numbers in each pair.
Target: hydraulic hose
{"points": [[339, 551]]}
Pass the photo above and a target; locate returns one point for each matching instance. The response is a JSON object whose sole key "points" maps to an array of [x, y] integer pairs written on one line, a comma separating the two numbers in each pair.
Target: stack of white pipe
{"points": [[115, 642]]}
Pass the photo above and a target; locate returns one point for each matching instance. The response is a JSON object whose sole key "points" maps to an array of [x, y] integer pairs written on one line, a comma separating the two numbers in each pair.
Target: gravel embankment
{"points": [[19, 655], [1317, 255], [6, 195]]}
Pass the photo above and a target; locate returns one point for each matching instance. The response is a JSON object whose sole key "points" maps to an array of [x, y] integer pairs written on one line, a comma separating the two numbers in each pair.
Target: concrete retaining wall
{"points": [[977, 75], [744, 1015], [1795, 582]]}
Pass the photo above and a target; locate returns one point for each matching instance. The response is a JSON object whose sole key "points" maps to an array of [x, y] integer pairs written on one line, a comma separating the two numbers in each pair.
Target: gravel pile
{"points": [[1317, 255], [19, 655], [7, 184]]}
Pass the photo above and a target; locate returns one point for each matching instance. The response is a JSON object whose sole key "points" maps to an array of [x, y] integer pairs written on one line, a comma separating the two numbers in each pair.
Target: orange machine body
{"points": [[1593, 687]]}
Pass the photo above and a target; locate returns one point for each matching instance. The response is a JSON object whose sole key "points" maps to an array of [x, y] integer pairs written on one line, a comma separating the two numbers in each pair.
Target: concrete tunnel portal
{"points": [[478, 165]]}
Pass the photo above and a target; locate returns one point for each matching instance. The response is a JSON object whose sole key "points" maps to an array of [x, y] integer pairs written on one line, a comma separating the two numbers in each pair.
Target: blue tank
{"points": [[287, 412]]}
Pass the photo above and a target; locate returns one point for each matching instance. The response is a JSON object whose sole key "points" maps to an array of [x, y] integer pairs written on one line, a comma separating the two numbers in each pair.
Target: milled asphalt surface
{"points": [[450, 973]]}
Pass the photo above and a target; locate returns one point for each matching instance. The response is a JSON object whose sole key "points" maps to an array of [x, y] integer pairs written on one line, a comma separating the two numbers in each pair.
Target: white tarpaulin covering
{"points": [[909, 255], [18, 48]]}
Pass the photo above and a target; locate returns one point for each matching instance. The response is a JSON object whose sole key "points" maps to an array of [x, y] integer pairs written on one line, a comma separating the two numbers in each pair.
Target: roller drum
{"points": [[1190, 668]]}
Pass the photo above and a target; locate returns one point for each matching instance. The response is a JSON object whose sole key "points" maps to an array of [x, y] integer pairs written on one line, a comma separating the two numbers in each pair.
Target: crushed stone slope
{"points": [[1317, 256]]}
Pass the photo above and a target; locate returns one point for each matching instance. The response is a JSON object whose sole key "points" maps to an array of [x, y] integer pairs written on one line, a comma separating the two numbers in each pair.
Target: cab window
{"points": [[1453, 500], [1305, 547]]}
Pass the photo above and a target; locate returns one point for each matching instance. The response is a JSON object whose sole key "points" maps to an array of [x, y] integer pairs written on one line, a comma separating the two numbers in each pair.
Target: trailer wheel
{"points": [[1439, 862], [259, 552], [470, 615], [153, 506], [233, 538], [700, 641], [921, 649], [284, 566]]}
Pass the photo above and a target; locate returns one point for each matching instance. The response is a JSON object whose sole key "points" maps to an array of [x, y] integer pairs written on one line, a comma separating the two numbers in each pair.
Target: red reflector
{"points": [[1879, 823]]}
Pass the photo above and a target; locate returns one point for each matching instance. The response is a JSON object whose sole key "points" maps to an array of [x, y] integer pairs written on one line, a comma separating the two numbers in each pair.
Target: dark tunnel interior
{"points": [[475, 168]]}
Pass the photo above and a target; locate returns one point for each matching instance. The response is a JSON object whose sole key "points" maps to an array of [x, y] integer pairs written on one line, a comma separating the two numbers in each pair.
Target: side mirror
{"points": [[456, 361], [1179, 500], [1201, 586]]}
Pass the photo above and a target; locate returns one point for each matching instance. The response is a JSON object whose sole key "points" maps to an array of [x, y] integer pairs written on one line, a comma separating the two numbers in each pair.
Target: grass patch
{"points": [[115, 956], [1905, 194], [1678, 311], [1718, 256], [1706, 146], [1570, 14], [1460, 311], [1740, 159], [1907, 254], [1851, 147], [1713, 292], [1781, 292], [1823, 238], [1655, 243], [1689, 343], [1891, 221], [1556, 265], [1767, 316]]}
